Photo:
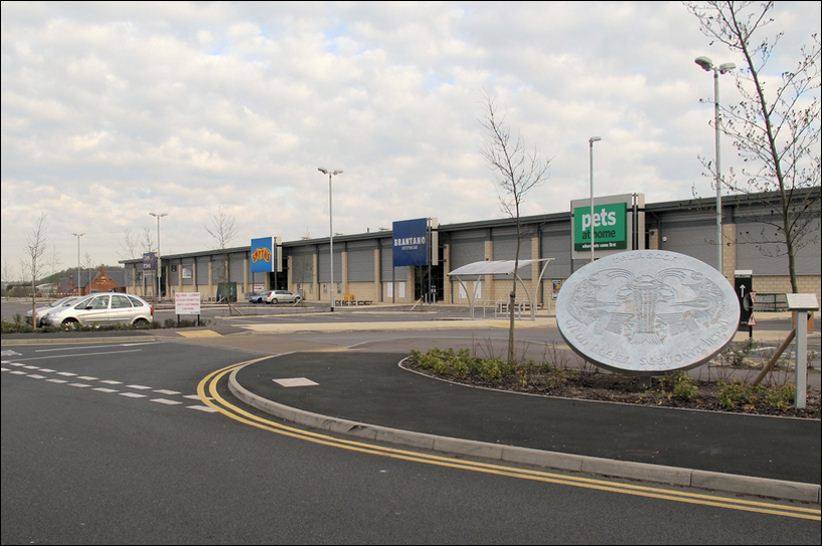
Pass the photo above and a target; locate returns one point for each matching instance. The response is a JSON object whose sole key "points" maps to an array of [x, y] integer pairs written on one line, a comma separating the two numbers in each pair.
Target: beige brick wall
{"points": [[782, 284]]}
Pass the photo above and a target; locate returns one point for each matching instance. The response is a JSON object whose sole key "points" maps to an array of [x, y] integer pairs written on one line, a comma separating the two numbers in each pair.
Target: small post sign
{"points": [[187, 303]]}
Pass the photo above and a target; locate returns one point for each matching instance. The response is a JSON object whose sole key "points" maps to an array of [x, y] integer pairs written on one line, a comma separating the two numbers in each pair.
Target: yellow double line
{"points": [[208, 392]]}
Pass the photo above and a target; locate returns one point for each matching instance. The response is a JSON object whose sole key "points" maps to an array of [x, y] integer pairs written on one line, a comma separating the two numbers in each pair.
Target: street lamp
{"points": [[78, 235], [330, 173], [158, 215], [708, 65], [591, 173]]}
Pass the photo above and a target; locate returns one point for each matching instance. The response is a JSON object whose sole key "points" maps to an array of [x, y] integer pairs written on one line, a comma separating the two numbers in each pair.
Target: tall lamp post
{"points": [[708, 65], [591, 174], [158, 215], [78, 235], [330, 173]]}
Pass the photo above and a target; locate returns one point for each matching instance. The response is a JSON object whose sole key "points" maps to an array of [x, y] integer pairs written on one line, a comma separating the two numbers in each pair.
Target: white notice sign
{"points": [[187, 303]]}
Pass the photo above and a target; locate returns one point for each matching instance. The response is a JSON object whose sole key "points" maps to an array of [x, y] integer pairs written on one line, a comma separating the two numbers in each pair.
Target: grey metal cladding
{"points": [[323, 266], [695, 239], [505, 248], [238, 261], [302, 266], [386, 261], [557, 245], [760, 248], [467, 247], [202, 270], [361, 263]]}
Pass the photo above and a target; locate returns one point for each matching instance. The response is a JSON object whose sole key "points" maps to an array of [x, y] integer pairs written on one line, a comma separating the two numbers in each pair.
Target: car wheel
{"points": [[298, 299], [70, 324], [274, 301], [140, 323]]}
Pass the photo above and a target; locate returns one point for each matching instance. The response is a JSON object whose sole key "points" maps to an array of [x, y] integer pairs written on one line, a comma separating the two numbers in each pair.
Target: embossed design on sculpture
{"points": [[647, 308]]}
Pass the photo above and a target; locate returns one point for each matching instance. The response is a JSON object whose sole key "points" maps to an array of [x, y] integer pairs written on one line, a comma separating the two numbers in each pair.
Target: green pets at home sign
{"points": [[609, 224]]}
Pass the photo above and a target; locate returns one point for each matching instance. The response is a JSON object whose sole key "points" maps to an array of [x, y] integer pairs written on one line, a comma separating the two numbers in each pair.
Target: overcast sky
{"points": [[111, 111]]}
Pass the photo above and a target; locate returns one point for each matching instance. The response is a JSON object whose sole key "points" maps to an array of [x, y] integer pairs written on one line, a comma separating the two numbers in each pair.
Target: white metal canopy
{"points": [[497, 267]]}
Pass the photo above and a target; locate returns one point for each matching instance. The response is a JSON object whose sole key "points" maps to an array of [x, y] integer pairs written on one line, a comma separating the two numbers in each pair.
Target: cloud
{"points": [[113, 110]]}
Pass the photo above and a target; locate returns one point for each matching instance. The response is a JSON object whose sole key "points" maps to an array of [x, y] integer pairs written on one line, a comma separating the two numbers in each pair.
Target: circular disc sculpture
{"points": [[647, 312]]}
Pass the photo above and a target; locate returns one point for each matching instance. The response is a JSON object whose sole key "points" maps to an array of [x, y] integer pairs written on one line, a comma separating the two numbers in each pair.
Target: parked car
{"points": [[41, 311], [258, 297], [102, 309], [282, 296]]}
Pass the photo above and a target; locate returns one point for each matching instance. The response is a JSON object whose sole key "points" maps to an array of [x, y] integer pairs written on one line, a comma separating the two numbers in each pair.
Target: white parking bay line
{"points": [[105, 390], [166, 402], [79, 385], [167, 392], [110, 382], [132, 395], [138, 387], [87, 378]]}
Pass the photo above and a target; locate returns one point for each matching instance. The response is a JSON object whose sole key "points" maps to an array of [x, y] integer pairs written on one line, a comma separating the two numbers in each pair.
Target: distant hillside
{"points": [[85, 273]]}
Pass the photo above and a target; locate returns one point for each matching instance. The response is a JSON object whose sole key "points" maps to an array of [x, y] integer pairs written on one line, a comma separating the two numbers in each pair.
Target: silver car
{"points": [[282, 296], [102, 309], [53, 306]]}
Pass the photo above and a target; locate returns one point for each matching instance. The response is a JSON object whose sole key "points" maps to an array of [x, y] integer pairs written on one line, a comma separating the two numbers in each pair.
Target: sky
{"points": [[111, 111]]}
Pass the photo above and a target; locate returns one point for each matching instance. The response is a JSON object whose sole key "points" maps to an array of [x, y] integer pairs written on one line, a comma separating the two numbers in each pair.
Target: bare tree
{"points": [[775, 126], [223, 230], [35, 250], [518, 171]]}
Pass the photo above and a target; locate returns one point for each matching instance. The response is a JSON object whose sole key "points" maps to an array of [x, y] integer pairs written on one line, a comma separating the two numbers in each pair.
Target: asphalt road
{"points": [[117, 454]]}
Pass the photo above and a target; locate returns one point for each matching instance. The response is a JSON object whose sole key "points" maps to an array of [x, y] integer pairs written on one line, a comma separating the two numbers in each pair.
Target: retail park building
{"points": [[365, 270]]}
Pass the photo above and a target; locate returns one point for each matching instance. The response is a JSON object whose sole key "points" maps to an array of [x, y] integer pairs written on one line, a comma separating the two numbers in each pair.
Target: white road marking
{"points": [[204, 409], [82, 354], [166, 402], [105, 390], [292, 382]]}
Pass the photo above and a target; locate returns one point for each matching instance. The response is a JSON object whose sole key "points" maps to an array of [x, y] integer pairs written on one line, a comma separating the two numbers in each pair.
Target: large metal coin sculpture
{"points": [[647, 312]]}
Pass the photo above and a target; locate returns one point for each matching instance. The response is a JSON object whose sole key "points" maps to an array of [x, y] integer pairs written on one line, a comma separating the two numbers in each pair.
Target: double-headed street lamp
{"points": [[708, 65], [591, 173], [158, 215], [78, 235], [330, 173]]}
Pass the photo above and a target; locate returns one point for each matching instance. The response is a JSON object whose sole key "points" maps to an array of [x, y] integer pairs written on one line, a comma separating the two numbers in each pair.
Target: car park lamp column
{"points": [[158, 215], [591, 174], [708, 65], [78, 235], [330, 173]]}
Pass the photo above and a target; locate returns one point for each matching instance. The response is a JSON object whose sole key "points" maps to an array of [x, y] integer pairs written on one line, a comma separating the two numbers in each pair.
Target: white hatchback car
{"points": [[102, 309], [282, 296]]}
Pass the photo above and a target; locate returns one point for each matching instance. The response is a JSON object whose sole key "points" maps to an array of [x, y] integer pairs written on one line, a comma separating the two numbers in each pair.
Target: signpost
{"points": [[187, 303]]}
